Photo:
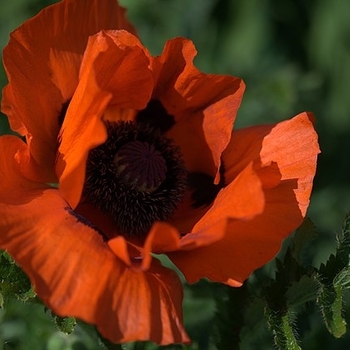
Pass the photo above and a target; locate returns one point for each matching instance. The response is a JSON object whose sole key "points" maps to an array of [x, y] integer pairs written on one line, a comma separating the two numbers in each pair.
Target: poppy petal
{"points": [[248, 244], [245, 190], [74, 271], [42, 63], [12, 181], [186, 216], [242, 199], [114, 70], [290, 146], [204, 106], [162, 238]]}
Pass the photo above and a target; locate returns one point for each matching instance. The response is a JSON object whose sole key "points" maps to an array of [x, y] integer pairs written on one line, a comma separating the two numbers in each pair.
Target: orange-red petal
{"points": [[186, 216], [114, 71], [12, 181], [242, 199], [290, 146], [42, 62], [74, 271], [204, 105], [284, 157], [245, 245]]}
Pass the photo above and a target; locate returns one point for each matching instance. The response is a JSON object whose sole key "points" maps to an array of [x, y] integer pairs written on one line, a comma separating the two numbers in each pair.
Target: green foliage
{"points": [[302, 291], [273, 303], [13, 281], [296, 285], [64, 324], [293, 286], [302, 241], [281, 325], [334, 278]]}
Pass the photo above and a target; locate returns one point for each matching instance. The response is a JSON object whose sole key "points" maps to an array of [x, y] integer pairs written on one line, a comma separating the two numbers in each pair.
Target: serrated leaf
{"points": [[302, 239], [302, 291], [288, 270], [331, 268], [343, 246]]}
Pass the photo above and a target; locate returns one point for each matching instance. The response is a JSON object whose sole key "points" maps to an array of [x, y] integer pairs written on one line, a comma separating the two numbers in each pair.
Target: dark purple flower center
{"points": [[137, 177], [141, 165]]}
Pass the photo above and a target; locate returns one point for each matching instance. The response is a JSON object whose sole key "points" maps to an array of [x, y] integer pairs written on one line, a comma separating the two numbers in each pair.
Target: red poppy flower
{"points": [[145, 159]]}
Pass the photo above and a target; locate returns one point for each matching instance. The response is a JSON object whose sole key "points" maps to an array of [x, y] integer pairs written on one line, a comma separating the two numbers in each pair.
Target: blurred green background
{"points": [[294, 55]]}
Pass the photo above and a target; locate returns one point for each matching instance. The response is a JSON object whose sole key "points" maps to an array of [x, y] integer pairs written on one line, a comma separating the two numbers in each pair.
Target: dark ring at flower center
{"points": [[140, 165]]}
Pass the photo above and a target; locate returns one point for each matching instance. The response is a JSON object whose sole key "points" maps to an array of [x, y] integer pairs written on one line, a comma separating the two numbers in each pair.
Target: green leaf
{"points": [[300, 243], [64, 324], [343, 246], [302, 291], [14, 283], [340, 260], [288, 272]]}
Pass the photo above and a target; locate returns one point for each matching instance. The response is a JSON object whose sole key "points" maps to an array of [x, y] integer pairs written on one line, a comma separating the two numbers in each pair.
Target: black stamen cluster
{"points": [[133, 211], [204, 191]]}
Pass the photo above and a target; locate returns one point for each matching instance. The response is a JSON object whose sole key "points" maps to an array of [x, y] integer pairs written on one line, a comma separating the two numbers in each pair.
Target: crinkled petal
{"points": [[42, 62], [114, 71], [204, 105], [284, 157], [291, 147], [242, 199], [12, 182], [74, 271], [245, 244]]}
